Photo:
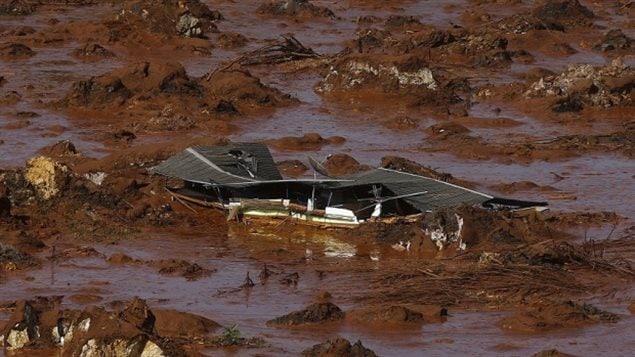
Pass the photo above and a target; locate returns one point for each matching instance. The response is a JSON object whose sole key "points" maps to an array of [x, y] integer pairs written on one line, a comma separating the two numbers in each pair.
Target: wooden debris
{"points": [[286, 50]]}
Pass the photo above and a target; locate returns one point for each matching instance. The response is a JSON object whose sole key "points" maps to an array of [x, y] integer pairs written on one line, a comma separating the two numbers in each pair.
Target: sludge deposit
{"points": [[527, 100]]}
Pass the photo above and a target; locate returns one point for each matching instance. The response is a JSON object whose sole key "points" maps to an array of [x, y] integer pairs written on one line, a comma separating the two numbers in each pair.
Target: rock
{"points": [[188, 25], [339, 348], [119, 347], [42, 326], [22, 329], [315, 313], [151, 349], [138, 314], [202, 11], [631, 307], [47, 176]]}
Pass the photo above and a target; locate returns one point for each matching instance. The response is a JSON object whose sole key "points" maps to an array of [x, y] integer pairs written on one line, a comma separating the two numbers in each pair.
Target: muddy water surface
{"points": [[586, 182]]}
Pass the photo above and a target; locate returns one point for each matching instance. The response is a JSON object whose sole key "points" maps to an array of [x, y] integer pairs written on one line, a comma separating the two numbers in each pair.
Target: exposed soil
{"points": [[528, 100]]}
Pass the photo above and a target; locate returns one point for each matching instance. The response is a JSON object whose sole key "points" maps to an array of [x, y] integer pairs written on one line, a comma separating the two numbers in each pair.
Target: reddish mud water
{"points": [[577, 180]]}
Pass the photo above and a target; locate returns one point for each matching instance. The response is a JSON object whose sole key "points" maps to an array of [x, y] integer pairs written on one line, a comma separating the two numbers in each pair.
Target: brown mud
{"points": [[530, 100]]}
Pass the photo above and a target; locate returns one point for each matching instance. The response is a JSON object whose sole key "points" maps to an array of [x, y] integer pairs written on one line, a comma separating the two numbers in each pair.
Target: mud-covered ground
{"points": [[523, 99]]}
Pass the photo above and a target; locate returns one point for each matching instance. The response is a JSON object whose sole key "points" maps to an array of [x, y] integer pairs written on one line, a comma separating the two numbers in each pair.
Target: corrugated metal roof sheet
{"points": [[232, 163], [438, 194]]}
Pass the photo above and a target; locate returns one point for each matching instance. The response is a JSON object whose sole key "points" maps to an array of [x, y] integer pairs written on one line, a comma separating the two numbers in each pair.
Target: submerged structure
{"points": [[243, 180]]}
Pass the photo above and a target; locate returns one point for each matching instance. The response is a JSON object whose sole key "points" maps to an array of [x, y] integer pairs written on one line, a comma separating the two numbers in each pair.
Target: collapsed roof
{"points": [[238, 165]]}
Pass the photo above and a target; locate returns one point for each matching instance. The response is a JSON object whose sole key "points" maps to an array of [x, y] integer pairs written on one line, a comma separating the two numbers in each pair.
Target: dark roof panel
{"points": [[225, 164], [438, 194]]}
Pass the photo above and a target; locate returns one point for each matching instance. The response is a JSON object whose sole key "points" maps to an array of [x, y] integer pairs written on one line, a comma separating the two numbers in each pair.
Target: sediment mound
{"points": [[306, 142], [13, 259], [549, 316], [243, 91], [42, 326], [182, 324], [339, 347], [61, 149], [93, 51], [381, 73], [343, 164], [562, 13], [551, 353], [189, 18], [392, 314], [293, 168], [313, 314], [584, 85], [615, 42], [295, 8], [15, 50], [17, 7], [166, 98]]}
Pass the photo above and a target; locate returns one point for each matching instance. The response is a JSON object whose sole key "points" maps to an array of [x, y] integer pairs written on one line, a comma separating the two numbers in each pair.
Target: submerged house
{"points": [[243, 180]]}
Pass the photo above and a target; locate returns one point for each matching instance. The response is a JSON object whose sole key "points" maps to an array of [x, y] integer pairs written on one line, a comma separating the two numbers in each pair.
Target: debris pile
{"points": [[134, 331], [189, 18], [403, 75], [585, 85], [299, 8], [286, 50]]}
